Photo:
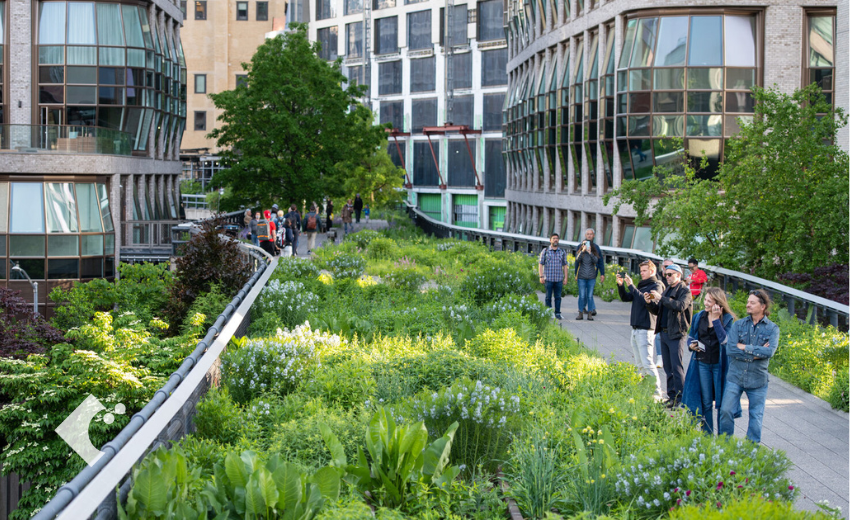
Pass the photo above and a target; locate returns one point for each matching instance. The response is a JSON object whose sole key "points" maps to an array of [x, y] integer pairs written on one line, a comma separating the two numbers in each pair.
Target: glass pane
{"points": [[625, 159], [740, 41], [63, 245], [26, 245], [732, 124], [63, 268], [462, 70], [490, 21], [89, 208], [83, 55], [820, 41], [111, 55], [640, 79], [132, 26], [641, 151], [81, 23], [135, 57], [740, 79], [711, 148], [462, 113], [91, 268], [493, 66], [33, 267], [51, 23], [643, 239], [672, 41], [61, 208], [389, 77], [704, 125], [705, 102], [628, 235], [354, 40], [644, 43], [627, 44], [669, 79], [109, 30], [85, 75], [666, 151], [92, 245], [109, 243], [639, 102], [419, 30], [705, 79], [386, 35], [146, 29], [50, 55], [108, 267], [739, 102], [668, 102], [3, 266], [393, 112], [4, 209], [706, 41], [638, 125], [668, 126], [27, 214], [424, 114], [104, 207], [423, 74]]}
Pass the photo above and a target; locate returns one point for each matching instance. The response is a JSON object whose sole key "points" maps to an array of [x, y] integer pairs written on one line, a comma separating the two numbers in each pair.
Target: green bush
{"points": [[300, 440], [381, 248], [295, 268], [405, 279], [355, 510], [495, 282], [346, 265], [289, 300], [347, 384], [219, 418], [210, 304], [363, 238], [751, 508], [840, 390]]}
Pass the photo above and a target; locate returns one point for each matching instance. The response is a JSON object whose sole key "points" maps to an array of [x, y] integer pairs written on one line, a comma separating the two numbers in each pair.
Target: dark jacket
{"points": [[641, 318], [600, 260], [679, 304], [294, 220], [692, 392], [358, 204]]}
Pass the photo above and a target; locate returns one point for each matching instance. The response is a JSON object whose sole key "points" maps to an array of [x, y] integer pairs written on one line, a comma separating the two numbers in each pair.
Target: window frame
{"points": [[239, 6], [204, 90], [265, 17], [202, 114], [200, 14]]}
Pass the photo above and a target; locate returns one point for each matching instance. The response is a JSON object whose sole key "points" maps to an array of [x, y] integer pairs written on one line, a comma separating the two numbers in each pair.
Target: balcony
{"points": [[64, 139]]}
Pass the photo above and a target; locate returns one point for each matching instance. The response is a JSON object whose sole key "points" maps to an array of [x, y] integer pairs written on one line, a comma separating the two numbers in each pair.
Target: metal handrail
{"points": [[193, 201], [65, 139], [90, 481], [729, 280]]}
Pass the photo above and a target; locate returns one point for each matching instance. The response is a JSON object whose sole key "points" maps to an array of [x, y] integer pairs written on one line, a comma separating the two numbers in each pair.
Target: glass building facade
{"points": [[593, 104]]}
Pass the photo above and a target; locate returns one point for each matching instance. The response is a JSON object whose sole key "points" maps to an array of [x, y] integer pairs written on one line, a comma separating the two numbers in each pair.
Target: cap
{"points": [[674, 267], [274, 206]]}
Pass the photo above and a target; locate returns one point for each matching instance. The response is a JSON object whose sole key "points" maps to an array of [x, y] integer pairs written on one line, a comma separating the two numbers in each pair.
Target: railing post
{"points": [[833, 318], [791, 302]]}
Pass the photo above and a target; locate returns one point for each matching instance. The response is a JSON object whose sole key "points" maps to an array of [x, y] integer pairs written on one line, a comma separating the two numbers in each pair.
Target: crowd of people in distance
{"points": [[730, 356], [278, 233]]}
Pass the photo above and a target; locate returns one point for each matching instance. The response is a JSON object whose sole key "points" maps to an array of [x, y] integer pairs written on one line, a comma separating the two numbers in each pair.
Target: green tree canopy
{"points": [[778, 203], [286, 129]]}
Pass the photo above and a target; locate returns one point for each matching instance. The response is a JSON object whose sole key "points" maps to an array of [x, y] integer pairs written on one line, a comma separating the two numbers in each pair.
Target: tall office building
{"points": [[91, 113], [429, 63], [597, 86]]}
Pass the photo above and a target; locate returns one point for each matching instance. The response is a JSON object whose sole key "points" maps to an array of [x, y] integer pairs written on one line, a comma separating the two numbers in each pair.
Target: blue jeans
{"points": [[585, 295], [557, 288], [709, 387], [731, 400], [345, 227], [255, 240]]}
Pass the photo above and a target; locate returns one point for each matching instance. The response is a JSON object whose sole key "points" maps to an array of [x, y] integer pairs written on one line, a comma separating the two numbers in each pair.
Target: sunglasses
{"points": [[758, 295], [670, 274]]}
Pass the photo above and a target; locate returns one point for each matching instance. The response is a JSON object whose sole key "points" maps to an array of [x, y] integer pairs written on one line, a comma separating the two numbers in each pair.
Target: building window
{"points": [[494, 169], [424, 114], [457, 34], [200, 83], [353, 6], [460, 165], [462, 70], [462, 111], [183, 7], [493, 111], [201, 10], [354, 40], [386, 35], [393, 112], [242, 11], [490, 21], [262, 11], [325, 9], [493, 66], [328, 38], [419, 30], [819, 59], [423, 74], [424, 169], [200, 120], [382, 4], [389, 77], [241, 80]]}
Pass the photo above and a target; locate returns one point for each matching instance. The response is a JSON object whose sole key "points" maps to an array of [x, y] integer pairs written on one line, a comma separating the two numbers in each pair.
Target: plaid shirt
{"points": [[553, 261]]}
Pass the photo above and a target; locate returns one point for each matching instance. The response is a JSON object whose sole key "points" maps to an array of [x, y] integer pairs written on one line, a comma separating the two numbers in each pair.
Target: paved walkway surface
{"points": [[321, 238], [813, 435]]}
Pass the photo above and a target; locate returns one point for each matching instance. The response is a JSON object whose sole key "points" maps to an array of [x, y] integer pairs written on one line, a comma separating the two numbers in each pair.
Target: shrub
{"points": [[276, 364], [346, 265], [218, 418], [295, 268], [751, 508], [829, 281], [354, 510], [289, 301], [209, 304], [405, 279], [705, 469], [492, 284], [381, 248], [537, 312], [537, 483], [363, 238], [838, 394], [347, 384], [505, 346], [23, 332]]}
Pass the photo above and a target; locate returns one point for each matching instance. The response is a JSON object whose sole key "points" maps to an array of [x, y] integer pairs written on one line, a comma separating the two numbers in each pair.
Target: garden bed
{"points": [[405, 395]]}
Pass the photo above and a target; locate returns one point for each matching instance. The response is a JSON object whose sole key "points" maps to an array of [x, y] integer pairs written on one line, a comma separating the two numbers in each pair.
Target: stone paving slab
{"points": [[815, 437]]}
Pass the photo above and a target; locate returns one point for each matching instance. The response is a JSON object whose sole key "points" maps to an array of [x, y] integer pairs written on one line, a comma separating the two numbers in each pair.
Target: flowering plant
{"points": [[530, 306], [492, 283], [290, 301], [346, 265]]}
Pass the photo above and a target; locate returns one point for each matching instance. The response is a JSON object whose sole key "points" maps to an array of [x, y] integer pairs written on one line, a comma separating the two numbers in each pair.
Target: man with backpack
{"points": [[311, 227], [295, 222], [266, 233]]}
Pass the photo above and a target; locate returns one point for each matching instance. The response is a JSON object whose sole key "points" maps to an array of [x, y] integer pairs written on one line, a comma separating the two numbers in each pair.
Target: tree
{"points": [[778, 203], [285, 130], [375, 178]]}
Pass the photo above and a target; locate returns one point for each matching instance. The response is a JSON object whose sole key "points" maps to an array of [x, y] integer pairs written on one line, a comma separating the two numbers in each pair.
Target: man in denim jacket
{"points": [[750, 344]]}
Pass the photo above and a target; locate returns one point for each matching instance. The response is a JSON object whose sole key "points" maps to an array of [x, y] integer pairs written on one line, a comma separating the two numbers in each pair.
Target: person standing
{"points": [[553, 268], [266, 233], [750, 344], [641, 320], [706, 376], [358, 207], [329, 213], [673, 309], [254, 222], [288, 237], [295, 225], [696, 279], [346, 216], [589, 262], [312, 222], [366, 213]]}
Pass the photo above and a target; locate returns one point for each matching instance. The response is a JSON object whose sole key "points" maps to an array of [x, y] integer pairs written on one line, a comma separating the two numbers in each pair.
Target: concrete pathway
{"points": [[813, 435], [321, 238]]}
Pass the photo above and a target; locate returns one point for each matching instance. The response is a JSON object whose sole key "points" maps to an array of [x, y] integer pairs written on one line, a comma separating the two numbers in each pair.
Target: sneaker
{"points": [[593, 313], [589, 316], [558, 317], [580, 316], [672, 403]]}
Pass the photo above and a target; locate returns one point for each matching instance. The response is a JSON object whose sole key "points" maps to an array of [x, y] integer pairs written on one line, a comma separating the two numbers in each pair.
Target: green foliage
{"points": [[751, 508], [299, 438], [347, 384], [839, 394], [190, 187], [537, 484], [381, 248], [210, 305], [346, 265], [363, 237], [289, 302], [756, 214], [351, 511], [165, 486], [295, 268], [407, 279], [292, 127], [376, 175], [494, 282], [218, 417]]}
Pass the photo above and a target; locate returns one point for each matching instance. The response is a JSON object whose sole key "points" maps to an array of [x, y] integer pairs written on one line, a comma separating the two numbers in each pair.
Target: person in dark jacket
{"points": [[641, 320], [673, 309], [294, 224], [589, 264], [329, 211], [706, 377], [358, 207]]}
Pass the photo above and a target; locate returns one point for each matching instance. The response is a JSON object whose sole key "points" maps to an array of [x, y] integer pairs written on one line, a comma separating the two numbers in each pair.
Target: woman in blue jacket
{"points": [[706, 376]]}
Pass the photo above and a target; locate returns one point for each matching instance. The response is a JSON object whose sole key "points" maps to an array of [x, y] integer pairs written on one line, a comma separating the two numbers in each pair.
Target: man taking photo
{"points": [[553, 272]]}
